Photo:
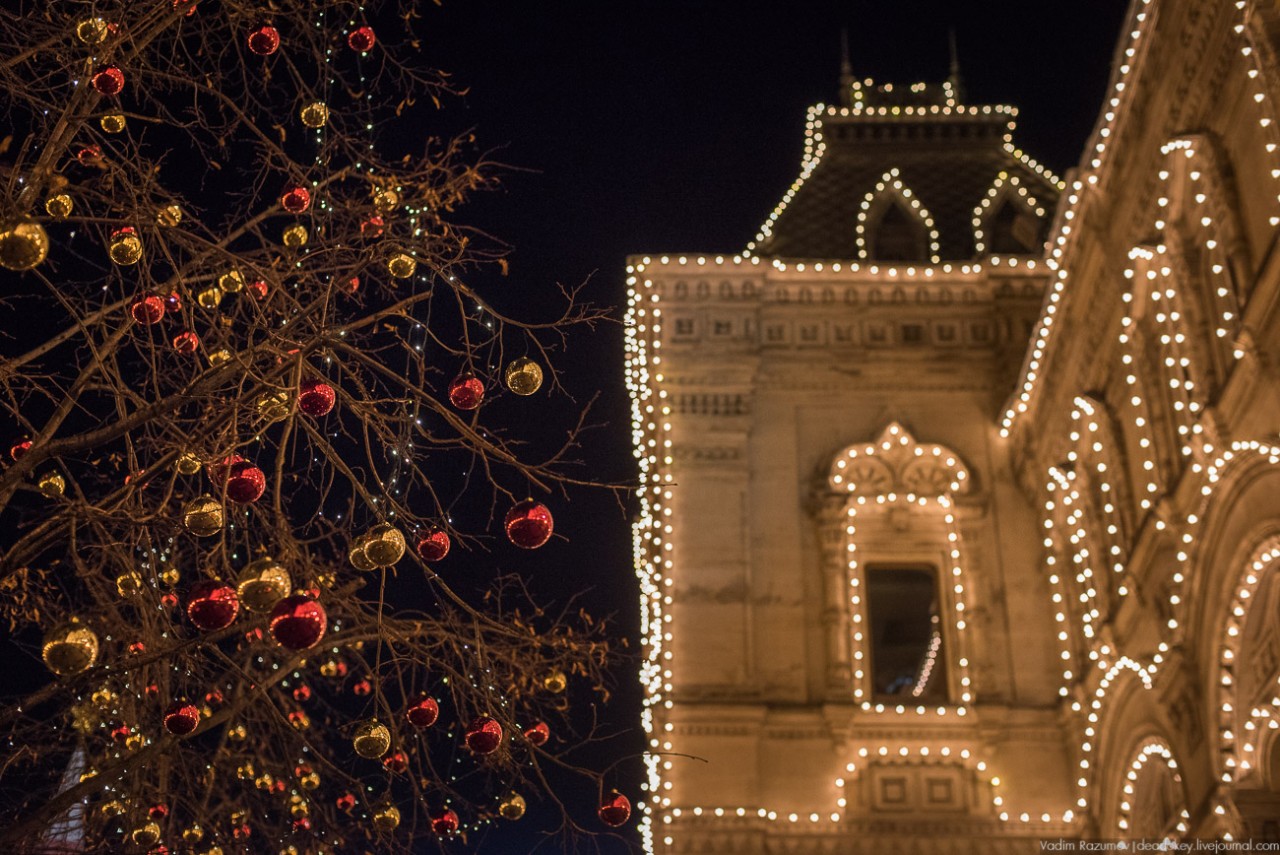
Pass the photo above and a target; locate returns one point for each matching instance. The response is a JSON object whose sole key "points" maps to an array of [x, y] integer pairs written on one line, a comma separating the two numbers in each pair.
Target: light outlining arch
{"points": [[890, 190], [1006, 189], [1153, 749], [1091, 735]]}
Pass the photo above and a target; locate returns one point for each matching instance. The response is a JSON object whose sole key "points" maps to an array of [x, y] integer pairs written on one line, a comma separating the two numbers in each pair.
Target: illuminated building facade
{"points": [[961, 485]]}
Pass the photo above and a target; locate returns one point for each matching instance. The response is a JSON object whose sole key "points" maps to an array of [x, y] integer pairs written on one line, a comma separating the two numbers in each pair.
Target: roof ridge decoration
{"points": [[890, 186]]}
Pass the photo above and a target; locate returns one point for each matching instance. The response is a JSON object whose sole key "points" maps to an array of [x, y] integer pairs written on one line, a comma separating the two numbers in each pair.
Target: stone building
{"points": [[961, 484]]}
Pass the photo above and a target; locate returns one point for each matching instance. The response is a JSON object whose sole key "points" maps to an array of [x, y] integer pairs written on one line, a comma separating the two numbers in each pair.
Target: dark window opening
{"points": [[898, 236], [912, 333], [1015, 230], [908, 659]]}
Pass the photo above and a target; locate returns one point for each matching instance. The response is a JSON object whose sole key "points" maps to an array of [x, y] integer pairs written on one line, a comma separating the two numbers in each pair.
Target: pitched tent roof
{"points": [[902, 144]]}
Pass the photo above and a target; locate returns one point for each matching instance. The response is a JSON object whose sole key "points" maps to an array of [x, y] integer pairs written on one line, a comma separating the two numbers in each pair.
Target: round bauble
{"points": [[90, 155], [316, 397], [245, 482], [264, 40], [615, 809], [187, 463], [125, 248], [262, 584], [181, 718], [385, 818], [275, 406], [212, 605], [258, 288], [512, 807], [23, 244], [555, 682], [232, 282], [433, 545], [147, 309], [371, 739], [169, 216], [70, 648], [372, 228], [466, 392], [19, 448], [92, 31], [296, 199], [146, 836], [359, 558], [423, 713], [483, 735], [112, 123], [362, 39], [523, 376], [401, 266], [529, 524], [385, 545], [51, 485], [129, 584], [444, 822], [396, 762], [537, 733], [186, 342], [295, 236], [210, 298], [108, 80], [314, 114], [59, 206], [298, 622], [385, 199]]}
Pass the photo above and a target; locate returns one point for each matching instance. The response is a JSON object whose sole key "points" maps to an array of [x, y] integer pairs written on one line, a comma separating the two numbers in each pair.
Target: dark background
{"points": [[665, 126]]}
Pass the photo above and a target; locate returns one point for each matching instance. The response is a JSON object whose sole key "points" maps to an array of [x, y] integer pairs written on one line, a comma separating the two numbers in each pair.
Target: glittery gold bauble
{"points": [[237, 733], [187, 463], [262, 584], [512, 806], [386, 818], [232, 282], [112, 123], [309, 781], [91, 31], [219, 356], [23, 244], [385, 200], [401, 266], [128, 584], [245, 772], [295, 236], [372, 739], [52, 485], [329, 669], [385, 545], [194, 834], [275, 406], [555, 682], [264, 782], [59, 206], [300, 720], [146, 835], [298, 807], [523, 376], [314, 115], [326, 579], [84, 718], [134, 741], [203, 516], [125, 248], [169, 576], [169, 216], [111, 809], [103, 697], [210, 297], [359, 558]]}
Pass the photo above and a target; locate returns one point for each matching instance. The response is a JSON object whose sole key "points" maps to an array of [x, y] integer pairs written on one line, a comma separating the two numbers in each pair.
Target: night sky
{"points": [[663, 126]]}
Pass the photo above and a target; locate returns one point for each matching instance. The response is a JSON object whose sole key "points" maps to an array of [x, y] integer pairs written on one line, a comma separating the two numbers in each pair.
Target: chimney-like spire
{"points": [[957, 88], [847, 81]]}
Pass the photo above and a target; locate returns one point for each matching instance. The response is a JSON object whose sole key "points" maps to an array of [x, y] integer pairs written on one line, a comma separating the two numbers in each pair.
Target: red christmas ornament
{"points": [[89, 155], [466, 392], [352, 285], [258, 289], [397, 762], [434, 545], [245, 482], [173, 303], [169, 600], [302, 823], [19, 448], [444, 822], [152, 690], [529, 524], [484, 735], [298, 623], [264, 40], [295, 200], [213, 698], [302, 693], [423, 713], [615, 809], [108, 80], [189, 5], [212, 605], [186, 342], [345, 802], [361, 689], [137, 648], [372, 228], [362, 40], [181, 718], [253, 636], [538, 733], [120, 733], [158, 812], [147, 309], [316, 397]]}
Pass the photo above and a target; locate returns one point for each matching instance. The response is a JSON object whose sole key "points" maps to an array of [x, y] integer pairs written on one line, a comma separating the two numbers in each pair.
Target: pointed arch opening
{"points": [[894, 227], [1009, 220]]}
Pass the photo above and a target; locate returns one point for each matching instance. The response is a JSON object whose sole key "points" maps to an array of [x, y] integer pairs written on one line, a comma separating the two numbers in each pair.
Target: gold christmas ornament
{"points": [[128, 584], [187, 463], [314, 115], [112, 123], [262, 584], [386, 818], [309, 781], [512, 806], [70, 648], [232, 282], [401, 266], [275, 406], [210, 297], [23, 244], [59, 206], [134, 741], [219, 356], [298, 807], [125, 248], [169, 576], [147, 835], [385, 200], [555, 682], [295, 236], [203, 516], [194, 834], [300, 720], [169, 216], [237, 733], [385, 545], [523, 376], [245, 772], [359, 559], [264, 782], [91, 31], [103, 697], [372, 739], [52, 485], [111, 809]]}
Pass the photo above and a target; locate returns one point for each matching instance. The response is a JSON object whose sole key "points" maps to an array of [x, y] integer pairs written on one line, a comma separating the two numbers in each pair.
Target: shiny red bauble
{"points": [[466, 392], [264, 40], [316, 397], [396, 761], [372, 228], [434, 545], [258, 289], [362, 39], [173, 303], [484, 735], [444, 822], [362, 688], [295, 200], [346, 801], [212, 605], [19, 448], [538, 733], [147, 309], [157, 812], [181, 718], [186, 342], [529, 524], [108, 80], [615, 809], [298, 623], [245, 482], [423, 713], [89, 155]]}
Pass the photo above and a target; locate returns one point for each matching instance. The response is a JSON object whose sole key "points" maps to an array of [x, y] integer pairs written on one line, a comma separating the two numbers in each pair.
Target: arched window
{"points": [[1015, 230], [898, 236]]}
